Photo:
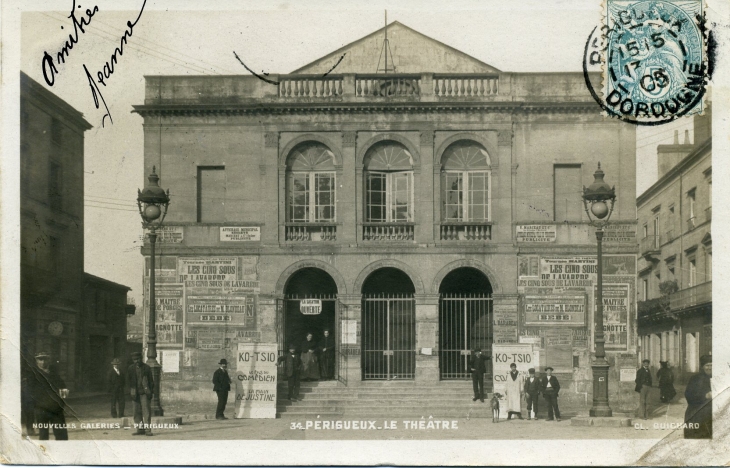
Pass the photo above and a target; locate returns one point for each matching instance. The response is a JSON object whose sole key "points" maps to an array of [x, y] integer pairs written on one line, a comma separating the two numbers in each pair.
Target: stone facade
{"points": [[452, 181], [675, 268]]}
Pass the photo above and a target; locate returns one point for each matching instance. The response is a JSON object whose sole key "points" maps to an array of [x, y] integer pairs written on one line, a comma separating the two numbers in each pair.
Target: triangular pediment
{"points": [[412, 52]]}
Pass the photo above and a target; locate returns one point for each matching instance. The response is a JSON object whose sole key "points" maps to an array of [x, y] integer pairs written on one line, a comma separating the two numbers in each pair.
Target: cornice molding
{"points": [[197, 110]]}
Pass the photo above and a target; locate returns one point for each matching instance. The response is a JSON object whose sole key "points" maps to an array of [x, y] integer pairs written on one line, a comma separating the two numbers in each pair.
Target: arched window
{"points": [[311, 184], [466, 183], [388, 183]]}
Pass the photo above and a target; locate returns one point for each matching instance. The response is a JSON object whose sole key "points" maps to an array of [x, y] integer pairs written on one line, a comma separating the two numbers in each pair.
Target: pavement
{"points": [[90, 416]]}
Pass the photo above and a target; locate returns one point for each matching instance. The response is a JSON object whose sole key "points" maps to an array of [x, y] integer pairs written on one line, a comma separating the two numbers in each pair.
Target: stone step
{"points": [[365, 389], [407, 398], [381, 402]]}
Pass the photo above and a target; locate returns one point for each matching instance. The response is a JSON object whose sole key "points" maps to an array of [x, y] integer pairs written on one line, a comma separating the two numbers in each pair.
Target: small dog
{"points": [[495, 406]]}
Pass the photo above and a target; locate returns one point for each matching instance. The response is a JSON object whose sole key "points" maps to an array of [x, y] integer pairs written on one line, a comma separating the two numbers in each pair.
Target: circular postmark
{"points": [[653, 60]]}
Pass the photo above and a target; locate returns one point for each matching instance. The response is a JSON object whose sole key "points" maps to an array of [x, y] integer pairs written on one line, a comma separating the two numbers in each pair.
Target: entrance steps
{"points": [[384, 399]]}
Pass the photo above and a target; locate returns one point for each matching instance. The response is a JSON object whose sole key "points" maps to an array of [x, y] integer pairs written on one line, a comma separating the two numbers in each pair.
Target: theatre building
{"points": [[418, 212]]}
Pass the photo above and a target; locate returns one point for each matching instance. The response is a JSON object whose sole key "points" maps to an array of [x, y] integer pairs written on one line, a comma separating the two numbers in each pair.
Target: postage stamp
{"points": [[304, 234], [656, 64]]}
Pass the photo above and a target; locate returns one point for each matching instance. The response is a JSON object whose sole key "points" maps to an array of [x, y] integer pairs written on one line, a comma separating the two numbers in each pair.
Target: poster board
{"points": [[503, 355], [256, 380]]}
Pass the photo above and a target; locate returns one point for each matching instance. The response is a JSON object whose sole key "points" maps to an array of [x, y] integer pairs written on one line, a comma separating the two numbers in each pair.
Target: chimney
{"points": [[669, 156], [703, 125]]}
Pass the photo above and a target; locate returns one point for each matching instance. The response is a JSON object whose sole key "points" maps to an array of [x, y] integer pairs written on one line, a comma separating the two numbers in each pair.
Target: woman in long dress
{"points": [[513, 392], [310, 363], [665, 376]]}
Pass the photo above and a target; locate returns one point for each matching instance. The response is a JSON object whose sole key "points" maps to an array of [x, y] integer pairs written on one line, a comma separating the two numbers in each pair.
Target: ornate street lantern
{"points": [[153, 202], [598, 200]]}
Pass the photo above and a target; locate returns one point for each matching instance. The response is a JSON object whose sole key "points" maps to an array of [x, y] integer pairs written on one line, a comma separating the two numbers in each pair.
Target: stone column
{"points": [[350, 309], [427, 330]]}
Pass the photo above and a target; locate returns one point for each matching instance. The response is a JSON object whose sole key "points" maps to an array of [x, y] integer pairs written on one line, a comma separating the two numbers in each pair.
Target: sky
{"points": [[546, 37]]}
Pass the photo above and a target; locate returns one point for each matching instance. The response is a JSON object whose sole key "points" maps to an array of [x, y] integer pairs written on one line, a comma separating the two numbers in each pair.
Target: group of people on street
{"points": [[315, 361], [43, 394], [517, 387], [698, 393]]}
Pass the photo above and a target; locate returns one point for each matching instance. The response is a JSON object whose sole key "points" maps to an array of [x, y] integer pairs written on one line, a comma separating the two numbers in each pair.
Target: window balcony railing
{"points": [[691, 223], [708, 214], [311, 232], [650, 245], [388, 231], [696, 295], [670, 235], [466, 231]]}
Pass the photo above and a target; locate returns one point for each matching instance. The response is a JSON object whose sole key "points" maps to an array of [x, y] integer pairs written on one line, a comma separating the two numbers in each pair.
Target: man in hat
{"points": [[550, 388], [699, 402], [221, 386], [532, 390], [292, 369], [327, 355], [115, 385], [513, 392], [478, 367], [141, 385], [47, 390], [643, 385]]}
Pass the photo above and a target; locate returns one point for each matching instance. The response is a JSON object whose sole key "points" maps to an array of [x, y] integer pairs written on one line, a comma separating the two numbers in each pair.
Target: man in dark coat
{"points": [[221, 386], [292, 369], [643, 386], [327, 356], [26, 401], [478, 367], [665, 376], [47, 390], [698, 393], [550, 389], [141, 385], [532, 391], [115, 386]]}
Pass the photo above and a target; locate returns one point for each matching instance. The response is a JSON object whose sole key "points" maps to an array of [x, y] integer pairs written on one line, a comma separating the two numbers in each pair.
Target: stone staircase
{"points": [[384, 399]]}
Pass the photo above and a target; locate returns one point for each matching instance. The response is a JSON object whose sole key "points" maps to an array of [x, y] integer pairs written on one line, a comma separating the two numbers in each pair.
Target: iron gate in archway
{"points": [[465, 323], [388, 337]]}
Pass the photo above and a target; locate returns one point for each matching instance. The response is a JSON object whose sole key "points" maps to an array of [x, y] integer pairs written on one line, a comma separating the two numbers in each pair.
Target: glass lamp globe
{"points": [[599, 209], [152, 212]]}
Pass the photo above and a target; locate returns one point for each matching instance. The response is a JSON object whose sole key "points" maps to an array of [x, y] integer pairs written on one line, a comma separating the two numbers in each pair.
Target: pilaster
{"points": [[347, 207], [427, 332], [274, 209], [424, 191]]}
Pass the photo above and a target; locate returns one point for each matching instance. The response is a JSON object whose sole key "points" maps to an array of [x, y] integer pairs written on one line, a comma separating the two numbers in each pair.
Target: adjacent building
{"points": [[675, 268], [104, 326], [79, 318], [417, 212]]}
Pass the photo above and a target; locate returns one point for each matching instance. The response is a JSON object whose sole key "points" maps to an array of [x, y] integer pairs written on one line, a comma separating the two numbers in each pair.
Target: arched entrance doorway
{"points": [[310, 306], [388, 326], [465, 321]]}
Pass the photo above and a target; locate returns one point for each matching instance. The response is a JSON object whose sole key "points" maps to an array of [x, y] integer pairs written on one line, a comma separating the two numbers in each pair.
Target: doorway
{"points": [[465, 322], [388, 326]]}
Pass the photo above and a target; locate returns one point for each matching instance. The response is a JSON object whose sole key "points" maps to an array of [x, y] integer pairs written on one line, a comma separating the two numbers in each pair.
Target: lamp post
{"points": [[152, 203], [598, 201]]}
